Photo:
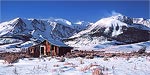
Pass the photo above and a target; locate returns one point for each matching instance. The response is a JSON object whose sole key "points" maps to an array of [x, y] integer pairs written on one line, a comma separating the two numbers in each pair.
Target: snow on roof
{"points": [[56, 43]]}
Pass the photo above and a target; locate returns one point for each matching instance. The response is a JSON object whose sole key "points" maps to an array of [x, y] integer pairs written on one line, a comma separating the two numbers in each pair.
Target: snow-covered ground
{"points": [[107, 46], [111, 47], [73, 66]]}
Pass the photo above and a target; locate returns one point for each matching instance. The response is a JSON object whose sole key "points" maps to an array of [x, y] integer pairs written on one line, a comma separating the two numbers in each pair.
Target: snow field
{"points": [[77, 66]]}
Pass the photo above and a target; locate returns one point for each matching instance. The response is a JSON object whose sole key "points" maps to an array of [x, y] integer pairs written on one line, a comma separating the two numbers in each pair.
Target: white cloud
{"points": [[114, 13]]}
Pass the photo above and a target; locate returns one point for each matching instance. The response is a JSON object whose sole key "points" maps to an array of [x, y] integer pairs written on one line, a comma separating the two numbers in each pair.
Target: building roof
{"points": [[57, 43]]}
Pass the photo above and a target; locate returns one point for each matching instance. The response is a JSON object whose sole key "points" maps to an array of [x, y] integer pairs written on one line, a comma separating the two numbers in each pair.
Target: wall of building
{"points": [[48, 49], [64, 50]]}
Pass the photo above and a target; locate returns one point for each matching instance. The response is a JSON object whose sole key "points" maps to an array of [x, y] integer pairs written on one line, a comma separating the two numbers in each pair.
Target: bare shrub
{"points": [[67, 63], [97, 71], [81, 61], [105, 58], [62, 59], [55, 65], [127, 58], [142, 50], [11, 59], [89, 57], [68, 55], [15, 71], [49, 59]]}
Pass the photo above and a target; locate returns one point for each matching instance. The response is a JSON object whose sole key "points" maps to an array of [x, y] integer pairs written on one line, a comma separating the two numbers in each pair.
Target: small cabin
{"points": [[46, 48]]}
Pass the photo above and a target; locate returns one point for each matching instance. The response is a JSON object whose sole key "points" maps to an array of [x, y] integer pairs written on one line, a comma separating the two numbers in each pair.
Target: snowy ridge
{"points": [[59, 20], [81, 25], [143, 21], [63, 21]]}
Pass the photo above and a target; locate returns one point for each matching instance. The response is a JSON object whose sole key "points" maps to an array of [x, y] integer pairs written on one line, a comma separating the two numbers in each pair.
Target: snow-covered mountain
{"points": [[81, 25], [25, 32], [142, 21], [114, 30], [118, 29]]}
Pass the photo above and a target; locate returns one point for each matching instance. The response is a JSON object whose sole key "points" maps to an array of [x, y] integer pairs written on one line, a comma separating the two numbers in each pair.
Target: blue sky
{"points": [[72, 10]]}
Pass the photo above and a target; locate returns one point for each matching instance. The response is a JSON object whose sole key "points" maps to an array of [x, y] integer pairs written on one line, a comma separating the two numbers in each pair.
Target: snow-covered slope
{"points": [[30, 27], [118, 28], [33, 30], [81, 25]]}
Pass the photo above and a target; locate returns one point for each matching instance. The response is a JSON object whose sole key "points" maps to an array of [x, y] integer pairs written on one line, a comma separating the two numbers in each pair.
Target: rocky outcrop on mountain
{"points": [[143, 21], [133, 35]]}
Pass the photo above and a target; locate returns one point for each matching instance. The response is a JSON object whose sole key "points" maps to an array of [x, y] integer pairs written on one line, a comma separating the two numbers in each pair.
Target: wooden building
{"points": [[46, 48]]}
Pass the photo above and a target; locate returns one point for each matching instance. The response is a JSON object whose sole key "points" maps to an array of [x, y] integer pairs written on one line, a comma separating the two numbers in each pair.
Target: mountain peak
{"points": [[117, 15], [79, 22], [16, 19], [63, 21]]}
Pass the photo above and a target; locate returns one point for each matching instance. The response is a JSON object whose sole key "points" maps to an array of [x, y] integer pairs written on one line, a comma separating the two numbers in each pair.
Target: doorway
{"points": [[42, 50]]}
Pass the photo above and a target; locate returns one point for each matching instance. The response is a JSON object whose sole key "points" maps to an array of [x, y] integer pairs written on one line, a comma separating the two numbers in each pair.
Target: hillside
{"points": [[114, 30]]}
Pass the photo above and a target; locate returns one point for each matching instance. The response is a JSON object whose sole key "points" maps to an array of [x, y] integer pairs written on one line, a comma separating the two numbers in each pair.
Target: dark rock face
{"points": [[20, 26], [57, 31], [133, 35], [125, 19]]}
